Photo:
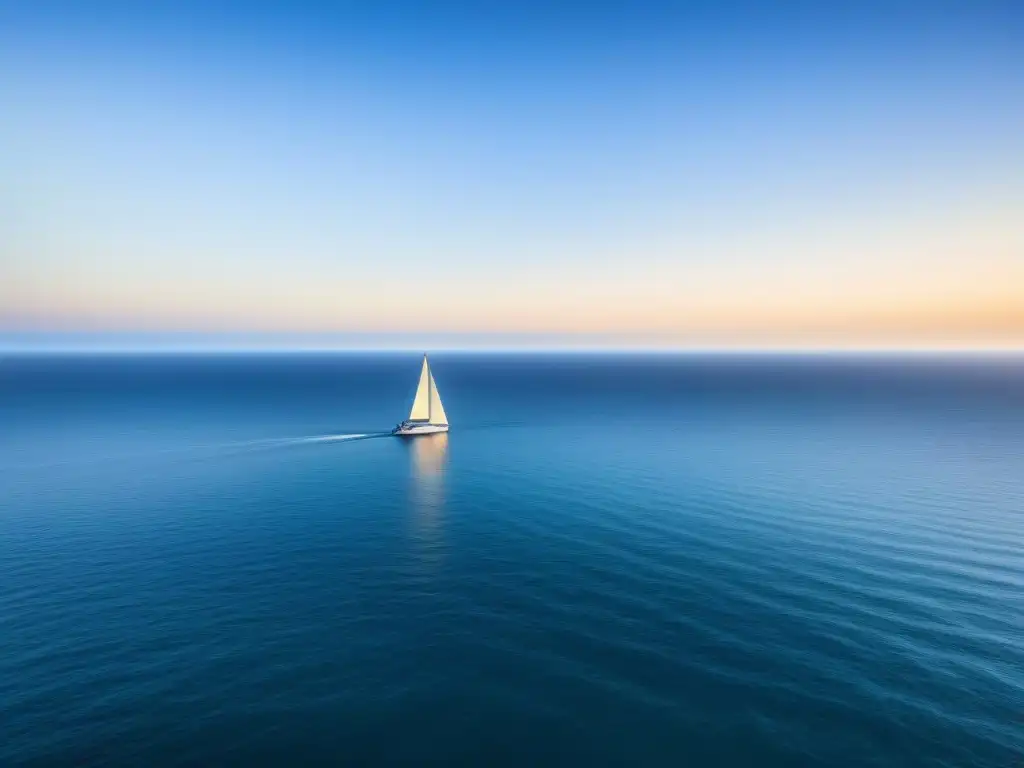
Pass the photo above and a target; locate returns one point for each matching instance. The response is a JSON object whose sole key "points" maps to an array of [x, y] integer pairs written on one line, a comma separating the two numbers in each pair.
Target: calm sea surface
{"points": [[617, 560]]}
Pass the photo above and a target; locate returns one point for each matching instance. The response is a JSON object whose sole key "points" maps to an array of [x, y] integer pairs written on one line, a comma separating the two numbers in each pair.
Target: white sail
{"points": [[421, 405], [437, 414]]}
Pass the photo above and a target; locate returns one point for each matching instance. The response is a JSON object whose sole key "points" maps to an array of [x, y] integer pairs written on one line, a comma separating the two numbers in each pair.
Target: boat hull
{"points": [[412, 430]]}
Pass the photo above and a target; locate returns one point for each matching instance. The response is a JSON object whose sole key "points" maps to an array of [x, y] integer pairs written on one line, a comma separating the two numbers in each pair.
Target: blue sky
{"points": [[700, 174]]}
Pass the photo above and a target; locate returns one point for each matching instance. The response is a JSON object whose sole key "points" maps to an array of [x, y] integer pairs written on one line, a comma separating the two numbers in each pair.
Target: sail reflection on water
{"points": [[429, 463], [430, 455]]}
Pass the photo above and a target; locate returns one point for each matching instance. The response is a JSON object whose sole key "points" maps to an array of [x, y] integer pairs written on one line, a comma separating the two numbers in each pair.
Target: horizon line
{"points": [[43, 349]]}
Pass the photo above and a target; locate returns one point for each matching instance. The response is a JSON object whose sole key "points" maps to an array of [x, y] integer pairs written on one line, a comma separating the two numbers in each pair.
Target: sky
{"points": [[702, 174]]}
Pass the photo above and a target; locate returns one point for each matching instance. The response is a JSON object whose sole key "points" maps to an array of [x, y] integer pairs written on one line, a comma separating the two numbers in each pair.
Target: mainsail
{"points": [[427, 404]]}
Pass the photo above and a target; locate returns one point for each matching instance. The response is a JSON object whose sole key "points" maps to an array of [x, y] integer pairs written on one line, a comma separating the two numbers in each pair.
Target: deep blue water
{"points": [[618, 560]]}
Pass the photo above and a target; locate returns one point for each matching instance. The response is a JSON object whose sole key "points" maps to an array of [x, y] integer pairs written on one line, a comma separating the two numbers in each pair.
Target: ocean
{"points": [[626, 559]]}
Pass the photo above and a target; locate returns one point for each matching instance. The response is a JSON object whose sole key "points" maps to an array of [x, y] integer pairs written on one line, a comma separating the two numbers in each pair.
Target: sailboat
{"points": [[427, 415]]}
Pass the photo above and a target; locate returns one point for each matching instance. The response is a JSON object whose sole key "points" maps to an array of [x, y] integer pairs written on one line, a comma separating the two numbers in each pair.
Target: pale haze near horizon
{"points": [[692, 176]]}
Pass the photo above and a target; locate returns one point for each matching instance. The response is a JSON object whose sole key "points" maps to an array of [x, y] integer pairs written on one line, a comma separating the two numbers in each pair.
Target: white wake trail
{"points": [[272, 442], [333, 438]]}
